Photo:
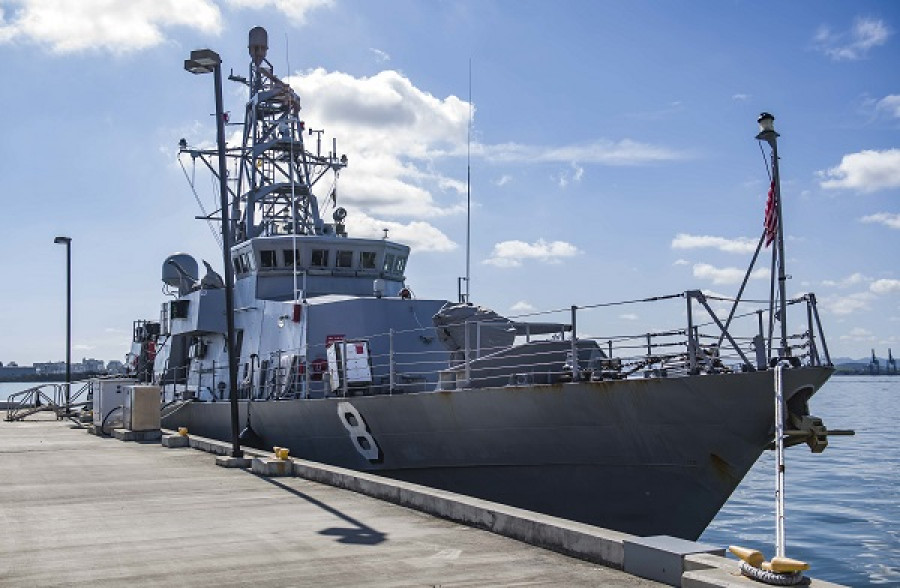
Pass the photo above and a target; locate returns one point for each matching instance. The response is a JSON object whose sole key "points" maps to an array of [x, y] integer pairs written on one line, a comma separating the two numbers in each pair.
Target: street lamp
{"points": [[205, 61], [768, 134], [68, 243]]}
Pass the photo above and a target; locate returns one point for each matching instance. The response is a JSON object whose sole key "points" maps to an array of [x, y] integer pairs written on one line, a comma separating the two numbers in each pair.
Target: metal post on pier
{"points": [[779, 462], [68, 243], [575, 374], [205, 61]]}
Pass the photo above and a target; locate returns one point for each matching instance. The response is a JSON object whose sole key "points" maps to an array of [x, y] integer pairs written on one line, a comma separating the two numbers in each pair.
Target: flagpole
{"points": [[767, 133]]}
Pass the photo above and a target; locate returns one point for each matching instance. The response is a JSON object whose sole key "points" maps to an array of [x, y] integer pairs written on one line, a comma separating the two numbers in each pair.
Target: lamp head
{"points": [[766, 122], [202, 61], [60, 240]]}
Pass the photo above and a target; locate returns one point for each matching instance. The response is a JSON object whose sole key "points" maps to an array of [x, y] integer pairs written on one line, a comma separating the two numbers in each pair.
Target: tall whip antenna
{"points": [[469, 188]]}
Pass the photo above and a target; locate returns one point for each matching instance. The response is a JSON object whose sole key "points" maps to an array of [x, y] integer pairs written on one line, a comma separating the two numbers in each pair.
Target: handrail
{"points": [[720, 338]]}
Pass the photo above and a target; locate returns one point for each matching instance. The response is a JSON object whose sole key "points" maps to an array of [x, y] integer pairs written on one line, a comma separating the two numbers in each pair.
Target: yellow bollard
{"points": [[751, 556], [182, 431], [281, 452], [785, 565]]}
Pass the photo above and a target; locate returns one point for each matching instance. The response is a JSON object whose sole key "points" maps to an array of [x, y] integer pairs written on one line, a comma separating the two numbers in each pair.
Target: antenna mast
{"points": [[469, 188]]}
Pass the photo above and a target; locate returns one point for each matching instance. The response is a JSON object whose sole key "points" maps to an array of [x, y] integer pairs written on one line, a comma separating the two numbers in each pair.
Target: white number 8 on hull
{"points": [[360, 436]]}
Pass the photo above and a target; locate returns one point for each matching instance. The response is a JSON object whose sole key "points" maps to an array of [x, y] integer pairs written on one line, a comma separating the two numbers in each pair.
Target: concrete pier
{"points": [[77, 509]]}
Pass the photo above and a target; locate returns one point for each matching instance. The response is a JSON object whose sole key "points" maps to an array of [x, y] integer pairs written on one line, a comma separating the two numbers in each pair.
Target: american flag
{"points": [[771, 222]]}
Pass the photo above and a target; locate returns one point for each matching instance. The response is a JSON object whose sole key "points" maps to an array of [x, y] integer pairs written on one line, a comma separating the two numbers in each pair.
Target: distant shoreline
{"points": [[49, 377]]}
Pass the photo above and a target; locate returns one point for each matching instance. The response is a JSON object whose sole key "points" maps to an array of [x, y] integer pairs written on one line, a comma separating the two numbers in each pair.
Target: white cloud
{"points": [[889, 105], [419, 235], [887, 219], [503, 180], [885, 286], [843, 305], [396, 135], [858, 334], [681, 262], [866, 171], [854, 44], [391, 132], [741, 97], [605, 152], [629, 316], [851, 280], [733, 245], [522, 306], [565, 177], [295, 10], [725, 275], [512, 253], [380, 55], [65, 26]]}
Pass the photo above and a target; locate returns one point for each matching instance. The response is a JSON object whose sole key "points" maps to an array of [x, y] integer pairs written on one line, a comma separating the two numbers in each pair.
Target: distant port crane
{"points": [[874, 365]]}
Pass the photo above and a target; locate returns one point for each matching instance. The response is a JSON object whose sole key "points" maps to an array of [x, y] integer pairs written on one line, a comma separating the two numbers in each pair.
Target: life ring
{"points": [[405, 293]]}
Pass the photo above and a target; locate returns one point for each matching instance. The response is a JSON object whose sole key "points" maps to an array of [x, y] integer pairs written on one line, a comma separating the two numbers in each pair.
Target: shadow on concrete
{"points": [[359, 534]]}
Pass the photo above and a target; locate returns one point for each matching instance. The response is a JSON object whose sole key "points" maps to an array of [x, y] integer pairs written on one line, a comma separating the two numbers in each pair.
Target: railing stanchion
{"points": [[692, 348], [467, 358], [344, 378], [477, 339], [575, 375], [813, 352], [815, 309], [391, 361]]}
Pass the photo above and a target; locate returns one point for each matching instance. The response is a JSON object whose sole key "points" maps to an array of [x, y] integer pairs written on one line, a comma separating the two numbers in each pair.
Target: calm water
{"points": [[842, 512], [843, 506]]}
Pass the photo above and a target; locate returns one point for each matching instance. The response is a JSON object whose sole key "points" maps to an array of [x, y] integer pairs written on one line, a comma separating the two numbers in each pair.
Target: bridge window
{"points": [[267, 259], [319, 258], [367, 260], [388, 263], [289, 256], [343, 259], [401, 264]]}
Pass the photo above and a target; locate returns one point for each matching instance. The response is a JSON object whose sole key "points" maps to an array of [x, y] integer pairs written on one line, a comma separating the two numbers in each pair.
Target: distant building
{"points": [[50, 368], [12, 371], [93, 366]]}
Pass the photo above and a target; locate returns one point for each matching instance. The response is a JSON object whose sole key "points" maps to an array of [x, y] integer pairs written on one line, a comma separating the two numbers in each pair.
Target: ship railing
{"points": [[715, 338]]}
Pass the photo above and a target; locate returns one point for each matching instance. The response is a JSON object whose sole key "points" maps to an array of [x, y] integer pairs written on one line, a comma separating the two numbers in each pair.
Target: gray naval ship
{"points": [[339, 362]]}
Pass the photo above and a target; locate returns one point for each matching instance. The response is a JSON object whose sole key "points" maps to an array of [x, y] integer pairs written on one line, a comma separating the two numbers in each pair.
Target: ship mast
{"points": [[276, 173]]}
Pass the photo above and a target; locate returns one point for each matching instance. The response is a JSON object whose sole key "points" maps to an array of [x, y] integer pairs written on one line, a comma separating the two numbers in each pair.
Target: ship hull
{"points": [[643, 456]]}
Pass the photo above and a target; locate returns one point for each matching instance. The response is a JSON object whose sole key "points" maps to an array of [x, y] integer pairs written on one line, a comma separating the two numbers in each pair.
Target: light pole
{"points": [[68, 243], [201, 62], [768, 134]]}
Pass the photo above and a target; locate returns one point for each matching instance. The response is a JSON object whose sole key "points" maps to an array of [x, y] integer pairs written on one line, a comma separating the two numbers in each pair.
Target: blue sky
{"points": [[613, 151]]}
